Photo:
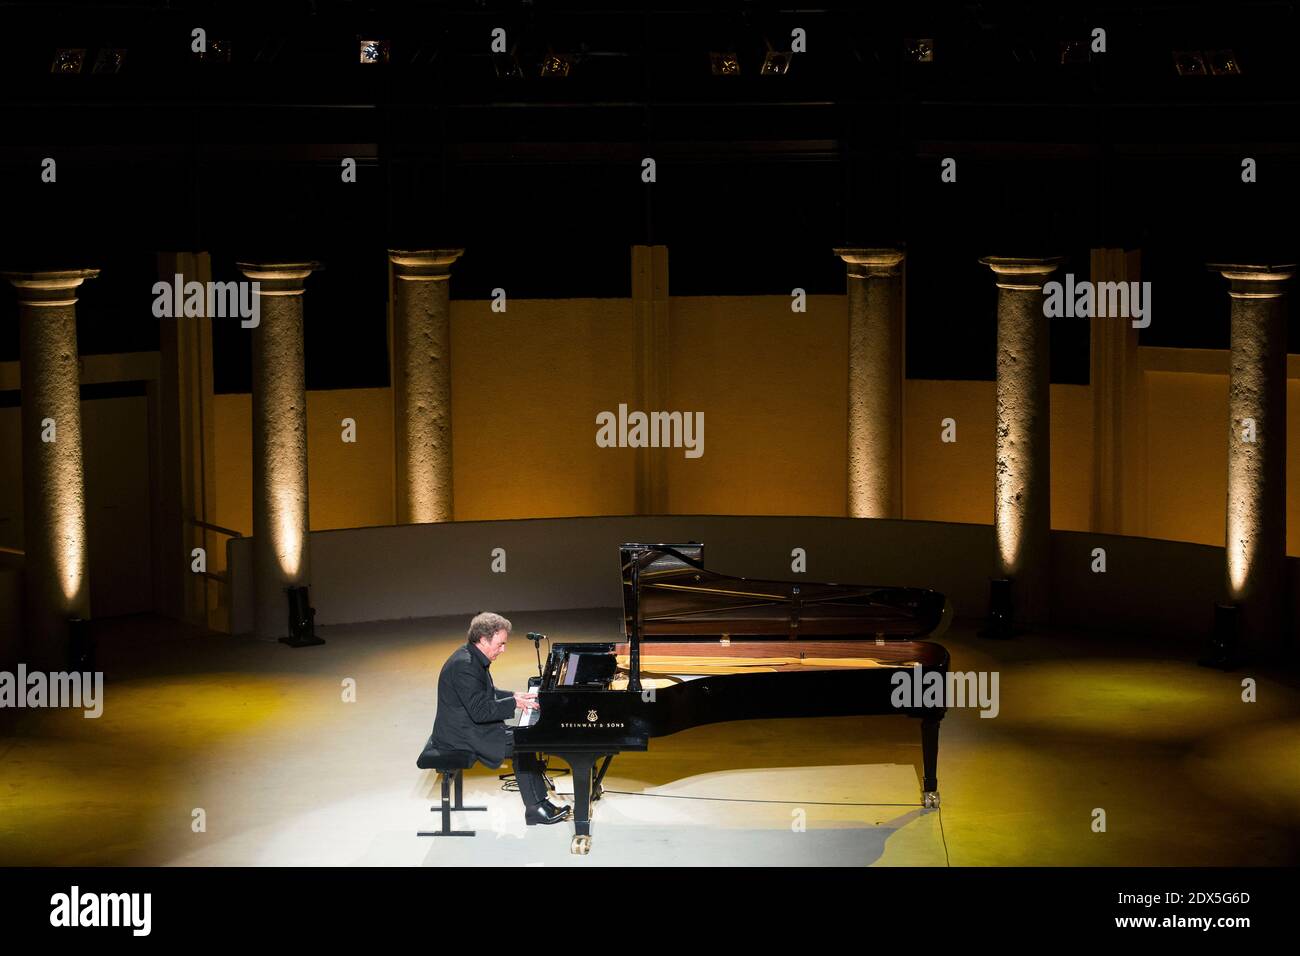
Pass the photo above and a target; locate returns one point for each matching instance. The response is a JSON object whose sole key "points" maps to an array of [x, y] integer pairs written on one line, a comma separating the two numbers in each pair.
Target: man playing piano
{"points": [[472, 714]]}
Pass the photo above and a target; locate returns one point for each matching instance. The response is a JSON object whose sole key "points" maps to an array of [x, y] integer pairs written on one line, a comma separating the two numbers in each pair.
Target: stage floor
{"points": [[256, 742]]}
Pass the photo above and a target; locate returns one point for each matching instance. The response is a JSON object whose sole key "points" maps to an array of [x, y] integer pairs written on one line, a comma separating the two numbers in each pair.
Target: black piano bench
{"points": [[452, 764]]}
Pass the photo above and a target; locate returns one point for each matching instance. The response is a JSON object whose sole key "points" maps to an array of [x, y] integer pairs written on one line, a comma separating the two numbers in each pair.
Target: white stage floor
{"points": [[257, 741]]}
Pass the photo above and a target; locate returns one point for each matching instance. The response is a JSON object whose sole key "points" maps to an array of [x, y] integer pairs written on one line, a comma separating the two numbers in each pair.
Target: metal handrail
{"points": [[229, 532], [221, 577]]}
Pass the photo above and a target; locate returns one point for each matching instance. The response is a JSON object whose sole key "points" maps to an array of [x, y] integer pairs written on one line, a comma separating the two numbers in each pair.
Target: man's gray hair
{"points": [[485, 625]]}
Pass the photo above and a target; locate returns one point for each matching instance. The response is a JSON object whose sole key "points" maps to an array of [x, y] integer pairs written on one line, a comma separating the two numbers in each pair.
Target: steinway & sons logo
{"points": [[594, 721]]}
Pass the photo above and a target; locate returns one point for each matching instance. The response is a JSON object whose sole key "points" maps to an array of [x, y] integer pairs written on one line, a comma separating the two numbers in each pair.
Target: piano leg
{"points": [[930, 761], [583, 766]]}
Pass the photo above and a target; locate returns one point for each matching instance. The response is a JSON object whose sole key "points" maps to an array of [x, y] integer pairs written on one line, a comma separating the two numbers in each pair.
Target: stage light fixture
{"points": [[1189, 63], [1024, 53], [302, 619], [999, 626], [556, 64], [724, 64], [68, 60], [1222, 63], [507, 66], [919, 50], [1222, 652], [81, 646], [1074, 52], [218, 51], [109, 60], [373, 51], [776, 62]]}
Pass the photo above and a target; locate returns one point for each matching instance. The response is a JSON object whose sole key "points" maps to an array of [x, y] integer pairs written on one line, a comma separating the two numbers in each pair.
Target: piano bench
{"points": [[451, 764]]}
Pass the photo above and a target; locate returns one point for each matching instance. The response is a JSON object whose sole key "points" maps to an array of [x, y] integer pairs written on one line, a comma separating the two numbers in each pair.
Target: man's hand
{"points": [[526, 701]]}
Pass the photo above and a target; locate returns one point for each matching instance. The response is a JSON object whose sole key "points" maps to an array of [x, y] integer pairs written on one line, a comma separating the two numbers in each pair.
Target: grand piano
{"points": [[701, 647]]}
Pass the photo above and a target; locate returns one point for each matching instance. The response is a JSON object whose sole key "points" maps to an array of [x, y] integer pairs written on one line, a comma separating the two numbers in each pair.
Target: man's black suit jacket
{"points": [[471, 711]]}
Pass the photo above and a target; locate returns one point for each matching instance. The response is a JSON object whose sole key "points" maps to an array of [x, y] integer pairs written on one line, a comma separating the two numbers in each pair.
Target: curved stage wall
{"points": [[404, 571]]}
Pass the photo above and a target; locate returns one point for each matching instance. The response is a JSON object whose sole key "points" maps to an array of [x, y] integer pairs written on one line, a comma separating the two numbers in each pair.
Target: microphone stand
{"points": [[537, 647]]}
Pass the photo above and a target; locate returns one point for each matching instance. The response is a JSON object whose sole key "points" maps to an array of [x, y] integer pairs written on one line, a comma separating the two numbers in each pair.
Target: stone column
{"points": [[1022, 505], [55, 576], [280, 517], [1256, 515], [875, 439], [422, 383]]}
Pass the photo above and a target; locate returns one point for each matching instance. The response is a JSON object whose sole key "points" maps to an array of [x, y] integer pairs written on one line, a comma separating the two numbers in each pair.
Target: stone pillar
{"points": [[1022, 504], [1256, 515], [55, 576], [280, 517], [875, 439], [422, 383]]}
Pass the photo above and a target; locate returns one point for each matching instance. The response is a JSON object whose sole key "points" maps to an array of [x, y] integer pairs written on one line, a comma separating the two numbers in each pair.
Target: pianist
{"points": [[472, 714]]}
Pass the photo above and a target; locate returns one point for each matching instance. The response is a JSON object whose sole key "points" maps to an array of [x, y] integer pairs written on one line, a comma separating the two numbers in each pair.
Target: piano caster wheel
{"points": [[581, 845], [930, 798]]}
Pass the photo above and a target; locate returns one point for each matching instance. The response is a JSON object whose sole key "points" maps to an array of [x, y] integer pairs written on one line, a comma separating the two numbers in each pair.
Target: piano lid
{"points": [[677, 596]]}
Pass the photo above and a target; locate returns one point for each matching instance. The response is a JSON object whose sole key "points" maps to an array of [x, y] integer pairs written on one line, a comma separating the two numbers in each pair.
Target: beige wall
{"points": [[526, 387], [772, 385], [953, 481], [528, 383], [350, 485], [1187, 456]]}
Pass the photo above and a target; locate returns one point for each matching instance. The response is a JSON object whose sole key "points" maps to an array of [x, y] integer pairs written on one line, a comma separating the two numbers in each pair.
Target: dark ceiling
{"points": [[758, 176]]}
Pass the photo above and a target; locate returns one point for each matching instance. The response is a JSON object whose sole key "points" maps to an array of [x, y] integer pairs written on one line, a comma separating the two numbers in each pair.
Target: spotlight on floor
{"points": [[81, 646], [67, 60], [725, 64], [1222, 651], [302, 619], [1000, 610]]}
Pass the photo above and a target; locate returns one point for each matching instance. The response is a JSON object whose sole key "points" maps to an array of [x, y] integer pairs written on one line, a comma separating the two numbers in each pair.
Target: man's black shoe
{"points": [[545, 812]]}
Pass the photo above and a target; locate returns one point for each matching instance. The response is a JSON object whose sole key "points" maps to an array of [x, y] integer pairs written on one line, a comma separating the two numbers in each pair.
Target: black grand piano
{"points": [[701, 647]]}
